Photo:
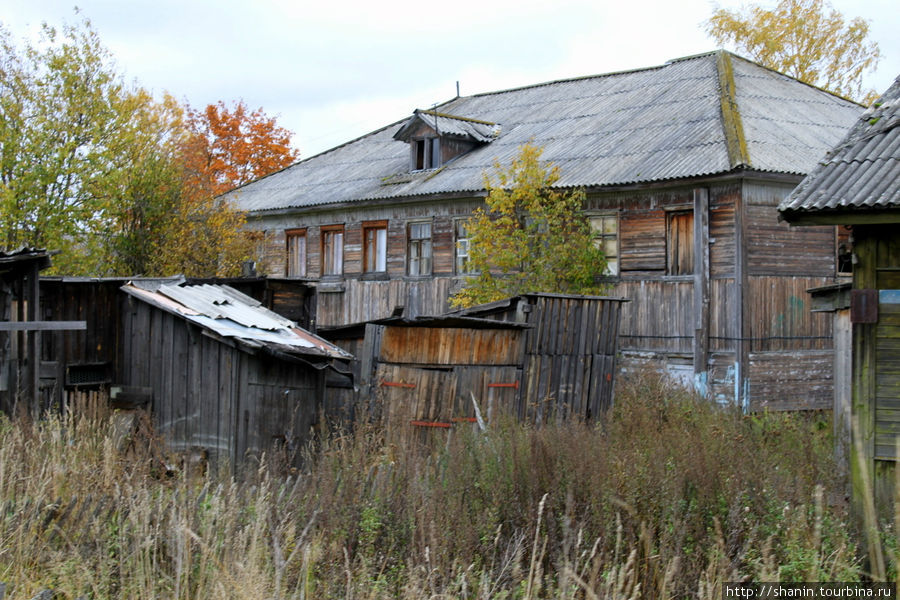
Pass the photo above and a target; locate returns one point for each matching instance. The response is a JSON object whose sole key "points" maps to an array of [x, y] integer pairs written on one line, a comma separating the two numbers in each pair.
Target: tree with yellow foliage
{"points": [[806, 39], [529, 237]]}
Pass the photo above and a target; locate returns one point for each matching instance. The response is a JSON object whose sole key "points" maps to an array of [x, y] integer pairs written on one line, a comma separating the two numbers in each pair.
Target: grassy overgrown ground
{"points": [[667, 498]]}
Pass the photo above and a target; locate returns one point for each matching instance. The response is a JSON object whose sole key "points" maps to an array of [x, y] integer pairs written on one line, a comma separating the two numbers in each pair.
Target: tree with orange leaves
{"points": [[223, 149], [234, 147]]}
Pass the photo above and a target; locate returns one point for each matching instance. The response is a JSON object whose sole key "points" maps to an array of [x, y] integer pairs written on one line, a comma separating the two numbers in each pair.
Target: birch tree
{"points": [[806, 39]]}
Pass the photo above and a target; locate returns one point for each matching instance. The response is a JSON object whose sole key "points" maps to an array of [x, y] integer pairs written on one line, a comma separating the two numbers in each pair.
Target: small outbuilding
{"points": [[533, 357], [220, 371], [857, 186], [23, 385]]}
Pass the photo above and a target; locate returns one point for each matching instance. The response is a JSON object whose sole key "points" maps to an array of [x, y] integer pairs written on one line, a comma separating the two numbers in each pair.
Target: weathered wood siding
{"points": [[780, 317], [642, 240], [355, 296], [571, 354], [658, 316], [451, 346], [875, 360], [415, 401], [87, 357], [359, 301], [745, 293], [421, 379], [795, 380], [887, 378], [775, 248]]}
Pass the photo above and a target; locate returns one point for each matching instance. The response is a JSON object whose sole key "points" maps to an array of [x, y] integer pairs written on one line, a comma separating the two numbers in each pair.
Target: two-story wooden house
{"points": [[684, 165]]}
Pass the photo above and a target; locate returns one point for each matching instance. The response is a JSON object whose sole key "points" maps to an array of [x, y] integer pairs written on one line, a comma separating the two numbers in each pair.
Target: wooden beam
{"points": [[740, 303], [43, 325], [33, 337], [701, 284]]}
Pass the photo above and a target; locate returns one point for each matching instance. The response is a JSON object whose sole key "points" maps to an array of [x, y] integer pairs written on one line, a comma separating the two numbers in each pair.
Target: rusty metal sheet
{"points": [[864, 306]]}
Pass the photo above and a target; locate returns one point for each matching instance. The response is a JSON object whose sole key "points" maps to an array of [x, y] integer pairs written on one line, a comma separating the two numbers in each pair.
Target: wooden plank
{"points": [[701, 280], [776, 248], [721, 228], [43, 325], [161, 357], [642, 240]]}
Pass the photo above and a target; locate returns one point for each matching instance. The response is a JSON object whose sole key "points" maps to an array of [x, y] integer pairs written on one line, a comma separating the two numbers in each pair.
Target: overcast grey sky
{"points": [[332, 70]]}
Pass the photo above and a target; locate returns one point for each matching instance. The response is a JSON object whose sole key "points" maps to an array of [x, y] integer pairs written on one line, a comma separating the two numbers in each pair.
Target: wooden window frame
{"points": [[426, 153], [601, 237], [295, 266], [843, 253], [423, 247], [332, 252], [371, 255], [679, 238]]}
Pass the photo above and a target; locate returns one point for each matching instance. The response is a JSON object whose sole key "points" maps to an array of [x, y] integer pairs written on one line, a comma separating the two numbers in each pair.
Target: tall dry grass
{"points": [[667, 498]]}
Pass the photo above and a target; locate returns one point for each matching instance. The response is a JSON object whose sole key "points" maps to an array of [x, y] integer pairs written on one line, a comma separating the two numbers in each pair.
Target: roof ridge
{"points": [[594, 76], [435, 113], [732, 125]]}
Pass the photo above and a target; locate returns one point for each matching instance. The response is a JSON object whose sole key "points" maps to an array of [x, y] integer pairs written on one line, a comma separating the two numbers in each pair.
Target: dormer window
{"points": [[437, 138], [426, 153]]}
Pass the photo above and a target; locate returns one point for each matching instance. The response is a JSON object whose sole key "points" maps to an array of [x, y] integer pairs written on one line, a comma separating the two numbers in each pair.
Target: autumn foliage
{"points": [[529, 236], [224, 148], [806, 39], [121, 182], [229, 148]]}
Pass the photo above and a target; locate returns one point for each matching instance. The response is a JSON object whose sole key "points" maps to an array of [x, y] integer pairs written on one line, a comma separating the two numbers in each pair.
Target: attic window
{"points": [[426, 153], [436, 138]]}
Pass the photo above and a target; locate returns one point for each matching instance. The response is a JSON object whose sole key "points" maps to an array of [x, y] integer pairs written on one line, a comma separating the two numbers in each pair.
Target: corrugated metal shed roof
{"points": [[655, 124], [231, 314], [862, 173]]}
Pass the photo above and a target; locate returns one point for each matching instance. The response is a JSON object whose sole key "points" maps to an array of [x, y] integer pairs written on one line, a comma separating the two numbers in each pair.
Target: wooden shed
{"points": [[221, 371], [19, 297], [91, 356], [24, 378], [534, 357], [857, 186]]}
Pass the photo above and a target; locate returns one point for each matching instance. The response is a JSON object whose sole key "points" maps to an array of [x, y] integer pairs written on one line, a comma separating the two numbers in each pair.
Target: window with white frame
{"points": [[375, 247], [418, 249], [462, 247], [333, 250], [605, 231], [295, 242]]}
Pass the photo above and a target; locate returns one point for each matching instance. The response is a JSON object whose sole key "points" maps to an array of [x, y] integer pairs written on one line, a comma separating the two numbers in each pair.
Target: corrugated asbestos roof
{"points": [[231, 314], [860, 174], [647, 125]]}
